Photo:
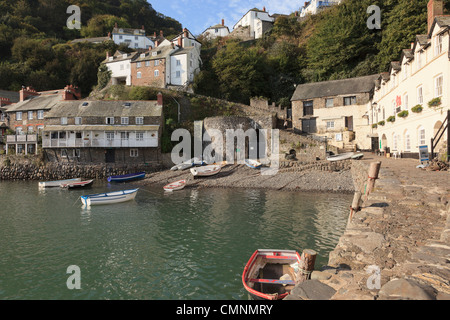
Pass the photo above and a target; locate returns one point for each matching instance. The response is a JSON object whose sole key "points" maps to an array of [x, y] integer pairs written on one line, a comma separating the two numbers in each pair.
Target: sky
{"points": [[198, 15]]}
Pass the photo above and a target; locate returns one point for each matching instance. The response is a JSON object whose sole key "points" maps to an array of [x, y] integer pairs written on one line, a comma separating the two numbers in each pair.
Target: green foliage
{"points": [[433, 103], [417, 109], [103, 76], [381, 123], [403, 114], [391, 119]]}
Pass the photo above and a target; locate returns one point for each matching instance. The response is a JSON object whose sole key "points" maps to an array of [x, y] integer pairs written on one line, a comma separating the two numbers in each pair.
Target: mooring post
{"points": [[355, 204], [306, 266], [374, 170]]}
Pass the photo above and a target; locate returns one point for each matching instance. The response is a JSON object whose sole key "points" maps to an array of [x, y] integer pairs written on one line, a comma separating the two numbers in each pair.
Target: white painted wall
{"points": [[134, 41]]}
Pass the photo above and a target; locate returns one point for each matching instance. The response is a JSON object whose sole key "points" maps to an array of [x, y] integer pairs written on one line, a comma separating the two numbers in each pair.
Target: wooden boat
{"points": [[206, 171], [78, 184], [127, 177], [57, 183], [342, 156], [253, 163], [187, 164], [357, 156], [269, 274], [109, 198], [177, 185]]}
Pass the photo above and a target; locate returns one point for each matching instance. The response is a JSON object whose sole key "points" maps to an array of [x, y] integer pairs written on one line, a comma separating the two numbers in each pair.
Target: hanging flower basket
{"points": [[434, 103], [391, 119], [417, 109], [403, 114]]}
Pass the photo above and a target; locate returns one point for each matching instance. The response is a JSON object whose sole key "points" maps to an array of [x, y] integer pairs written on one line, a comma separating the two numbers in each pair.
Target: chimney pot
{"points": [[223, 22], [264, 9], [435, 8]]}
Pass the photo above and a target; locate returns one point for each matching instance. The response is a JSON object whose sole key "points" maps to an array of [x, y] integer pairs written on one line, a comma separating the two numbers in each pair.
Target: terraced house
{"points": [[411, 101], [103, 131]]}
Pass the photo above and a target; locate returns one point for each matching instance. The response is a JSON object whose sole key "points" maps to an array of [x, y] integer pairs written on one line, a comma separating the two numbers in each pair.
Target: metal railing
{"points": [[437, 137]]}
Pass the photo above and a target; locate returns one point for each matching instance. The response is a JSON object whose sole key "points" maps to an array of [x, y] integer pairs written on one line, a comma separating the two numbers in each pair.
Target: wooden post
{"points": [[355, 204], [306, 266], [374, 170]]}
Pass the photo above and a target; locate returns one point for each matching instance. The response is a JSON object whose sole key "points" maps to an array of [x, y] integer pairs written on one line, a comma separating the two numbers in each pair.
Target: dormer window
{"points": [[154, 54], [438, 45], [110, 58], [121, 30], [142, 55], [124, 55]]}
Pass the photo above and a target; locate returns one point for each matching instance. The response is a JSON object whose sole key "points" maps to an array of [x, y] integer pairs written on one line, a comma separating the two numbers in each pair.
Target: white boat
{"points": [[57, 183], [357, 156], [253, 163], [342, 156], [206, 170], [77, 184], [177, 185], [187, 164], [109, 198]]}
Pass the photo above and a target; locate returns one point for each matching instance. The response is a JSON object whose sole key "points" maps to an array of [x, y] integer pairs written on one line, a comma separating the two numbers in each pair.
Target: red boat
{"points": [[78, 184], [270, 274]]}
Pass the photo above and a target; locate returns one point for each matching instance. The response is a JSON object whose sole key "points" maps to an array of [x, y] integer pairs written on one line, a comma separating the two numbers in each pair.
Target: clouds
{"points": [[198, 15]]}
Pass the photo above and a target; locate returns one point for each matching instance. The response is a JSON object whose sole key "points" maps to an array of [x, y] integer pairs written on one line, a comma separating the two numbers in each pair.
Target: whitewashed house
{"points": [[314, 6], [120, 66], [218, 30], [135, 38], [257, 21]]}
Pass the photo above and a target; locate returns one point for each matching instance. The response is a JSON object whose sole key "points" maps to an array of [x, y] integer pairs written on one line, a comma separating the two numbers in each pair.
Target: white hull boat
{"points": [[187, 164], [109, 198], [206, 170], [177, 185], [57, 183], [253, 163], [342, 156]]}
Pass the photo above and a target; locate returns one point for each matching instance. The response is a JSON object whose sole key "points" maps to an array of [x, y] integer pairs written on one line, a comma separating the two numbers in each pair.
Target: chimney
{"points": [[186, 33], [160, 99], [264, 9], [71, 93], [180, 42], [27, 92], [435, 8], [161, 33], [223, 22], [154, 34]]}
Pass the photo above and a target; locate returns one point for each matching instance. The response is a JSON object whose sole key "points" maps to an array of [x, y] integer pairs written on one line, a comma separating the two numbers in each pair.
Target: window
{"points": [[139, 120], [76, 153], [18, 115], [63, 153], [40, 114], [63, 120], [30, 129], [330, 124], [405, 71], [124, 135], [419, 95], [139, 136], [156, 73], [178, 74], [30, 115], [134, 153], [62, 135], [395, 142], [329, 102], [405, 101], [147, 63], [110, 120], [78, 135], [419, 60], [421, 136], [139, 75], [407, 141], [110, 136], [438, 45], [308, 109], [348, 101], [438, 86], [178, 62], [54, 135], [78, 120], [138, 65], [121, 67], [156, 63], [124, 120], [2, 116]]}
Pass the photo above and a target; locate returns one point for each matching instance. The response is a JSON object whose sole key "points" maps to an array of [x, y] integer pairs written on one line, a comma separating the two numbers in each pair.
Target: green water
{"points": [[192, 244]]}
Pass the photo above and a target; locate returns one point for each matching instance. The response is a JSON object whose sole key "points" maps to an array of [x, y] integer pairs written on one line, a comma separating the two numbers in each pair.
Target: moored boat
{"points": [[57, 183], [177, 185], [127, 177], [357, 156], [253, 163], [206, 170], [109, 197], [77, 184], [270, 274], [342, 156], [188, 164]]}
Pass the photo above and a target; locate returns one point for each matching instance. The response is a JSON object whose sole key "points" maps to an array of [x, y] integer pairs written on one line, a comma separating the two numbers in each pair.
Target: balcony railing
{"points": [[22, 138], [98, 143]]}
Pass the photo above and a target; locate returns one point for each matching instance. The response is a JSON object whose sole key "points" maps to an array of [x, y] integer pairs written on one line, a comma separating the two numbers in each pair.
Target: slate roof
{"points": [[335, 88], [41, 102], [13, 96]]}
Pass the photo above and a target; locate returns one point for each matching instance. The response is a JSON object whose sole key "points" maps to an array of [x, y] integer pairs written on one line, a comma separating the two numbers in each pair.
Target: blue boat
{"points": [[109, 198], [127, 177], [253, 163]]}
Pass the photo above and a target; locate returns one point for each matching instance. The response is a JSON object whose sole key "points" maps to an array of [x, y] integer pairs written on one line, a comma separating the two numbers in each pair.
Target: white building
{"points": [[218, 30], [120, 66], [314, 6], [135, 38], [258, 21], [401, 115]]}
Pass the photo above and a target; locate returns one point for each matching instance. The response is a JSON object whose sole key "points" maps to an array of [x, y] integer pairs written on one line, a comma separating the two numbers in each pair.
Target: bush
{"points": [[417, 109], [381, 123], [403, 114], [391, 119], [375, 126], [436, 102]]}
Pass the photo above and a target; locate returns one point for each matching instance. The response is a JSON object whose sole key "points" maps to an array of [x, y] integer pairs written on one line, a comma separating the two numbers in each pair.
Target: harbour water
{"points": [[192, 244]]}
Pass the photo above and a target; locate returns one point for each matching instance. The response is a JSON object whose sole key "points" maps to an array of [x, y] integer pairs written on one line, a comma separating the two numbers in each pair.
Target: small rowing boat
{"points": [[78, 184], [187, 164], [206, 171], [177, 185], [357, 156], [127, 177], [342, 156], [109, 198], [57, 183], [253, 163], [270, 274]]}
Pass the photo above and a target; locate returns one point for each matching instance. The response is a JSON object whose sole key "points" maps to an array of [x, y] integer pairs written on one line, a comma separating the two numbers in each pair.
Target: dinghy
{"points": [[187, 164], [177, 185], [57, 183], [342, 156], [127, 177], [80, 184], [357, 156], [253, 163], [109, 198], [205, 171], [270, 274]]}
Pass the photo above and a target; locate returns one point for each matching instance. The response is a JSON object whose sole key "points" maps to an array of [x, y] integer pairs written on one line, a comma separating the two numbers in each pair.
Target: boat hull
{"points": [[174, 186], [343, 156], [205, 171], [109, 198], [57, 183], [75, 185], [127, 177], [253, 164], [268, 274]]}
